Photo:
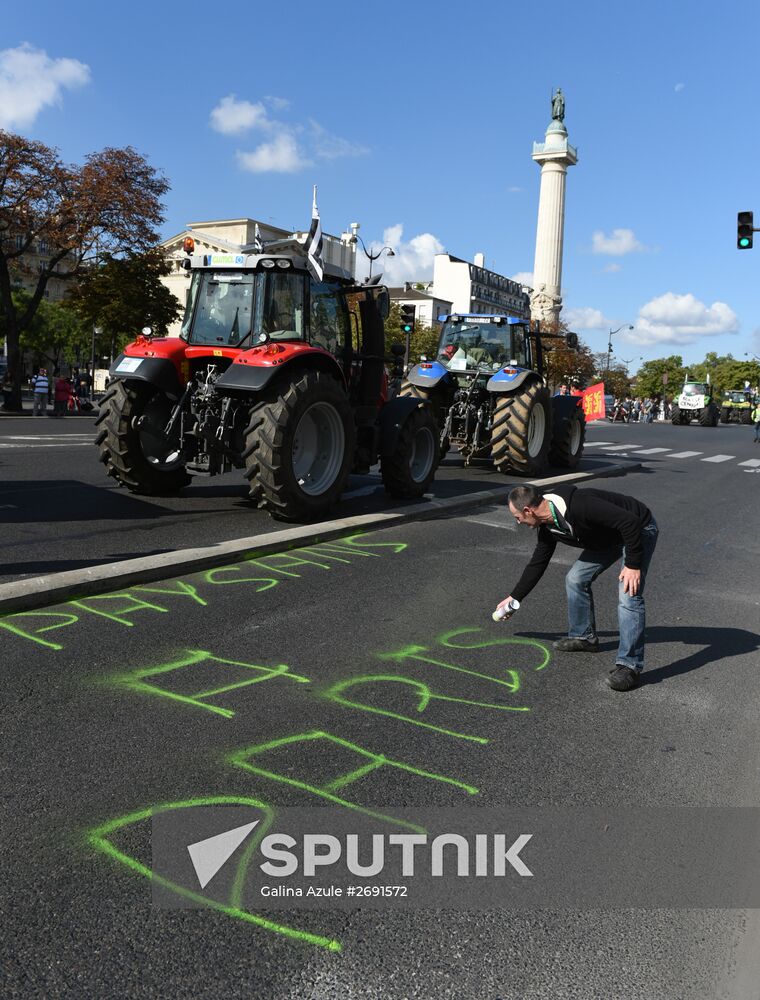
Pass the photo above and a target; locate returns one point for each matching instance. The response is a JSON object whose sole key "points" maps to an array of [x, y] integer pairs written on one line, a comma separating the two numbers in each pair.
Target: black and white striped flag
{"points": [[258, 245], [314, 243]]}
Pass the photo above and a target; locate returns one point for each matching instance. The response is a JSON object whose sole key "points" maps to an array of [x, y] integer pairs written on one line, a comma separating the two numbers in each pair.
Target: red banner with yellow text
{"points": [[593, 402]]}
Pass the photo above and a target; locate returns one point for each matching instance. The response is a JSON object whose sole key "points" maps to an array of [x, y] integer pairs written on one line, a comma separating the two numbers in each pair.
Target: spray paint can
{"points": [[506, 610]]}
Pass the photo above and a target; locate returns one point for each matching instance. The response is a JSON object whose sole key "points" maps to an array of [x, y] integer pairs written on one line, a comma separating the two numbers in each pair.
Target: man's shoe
{"points": [[624, 678], [570, 645]]}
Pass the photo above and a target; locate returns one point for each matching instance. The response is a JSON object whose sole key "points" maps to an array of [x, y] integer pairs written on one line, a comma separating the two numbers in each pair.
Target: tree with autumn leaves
{"points": [[108, 207]]}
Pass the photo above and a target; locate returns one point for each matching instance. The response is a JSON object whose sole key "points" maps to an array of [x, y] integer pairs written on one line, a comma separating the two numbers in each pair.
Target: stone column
{"points": [[554, 155]]}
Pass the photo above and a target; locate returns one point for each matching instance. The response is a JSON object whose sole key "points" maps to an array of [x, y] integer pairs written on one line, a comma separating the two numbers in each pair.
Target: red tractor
{"points": [[273, 372]]}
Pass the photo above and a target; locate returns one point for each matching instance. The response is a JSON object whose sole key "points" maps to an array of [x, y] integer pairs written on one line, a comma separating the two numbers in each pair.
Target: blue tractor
{"points": [[488, 395]]}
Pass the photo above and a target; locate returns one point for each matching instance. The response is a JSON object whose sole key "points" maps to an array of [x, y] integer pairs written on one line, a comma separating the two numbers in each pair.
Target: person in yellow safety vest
{"points": [[756, 420]]}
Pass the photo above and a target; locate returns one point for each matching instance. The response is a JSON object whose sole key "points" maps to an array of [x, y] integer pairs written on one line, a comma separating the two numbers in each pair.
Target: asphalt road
{"points": [[59, 511], [92, 734]]}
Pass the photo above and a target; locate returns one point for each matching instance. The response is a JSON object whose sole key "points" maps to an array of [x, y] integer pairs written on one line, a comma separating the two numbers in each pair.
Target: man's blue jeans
{"points": [[631, 610]]}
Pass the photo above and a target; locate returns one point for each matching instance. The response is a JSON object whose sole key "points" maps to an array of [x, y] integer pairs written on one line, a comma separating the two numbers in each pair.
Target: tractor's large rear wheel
{"points": [[522, 430], [437, 408], [409, 471], [133, 443], [299, 446], [568, 439]]}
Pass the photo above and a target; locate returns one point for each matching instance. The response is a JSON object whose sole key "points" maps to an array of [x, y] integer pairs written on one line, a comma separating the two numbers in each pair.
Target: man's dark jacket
{"points": [[597, 520]]}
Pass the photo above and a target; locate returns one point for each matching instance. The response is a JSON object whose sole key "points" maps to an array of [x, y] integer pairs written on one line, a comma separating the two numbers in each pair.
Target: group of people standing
{"points": [[66, 394], [639, 410]]}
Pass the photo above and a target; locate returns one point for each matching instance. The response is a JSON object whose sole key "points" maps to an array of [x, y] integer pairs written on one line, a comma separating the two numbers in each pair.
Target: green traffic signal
{"points": [[744, 230], [407, 318]]}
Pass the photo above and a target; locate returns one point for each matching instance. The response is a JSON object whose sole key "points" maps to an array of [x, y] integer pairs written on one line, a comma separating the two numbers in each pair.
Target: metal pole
{"points": [[92, 361]]}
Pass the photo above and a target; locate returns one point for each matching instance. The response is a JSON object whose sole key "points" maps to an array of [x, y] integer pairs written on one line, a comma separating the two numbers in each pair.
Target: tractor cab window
{"points": [[328, 317], [281, 310], [520, 345], [468, 343], [220, 307], [694, 389]]}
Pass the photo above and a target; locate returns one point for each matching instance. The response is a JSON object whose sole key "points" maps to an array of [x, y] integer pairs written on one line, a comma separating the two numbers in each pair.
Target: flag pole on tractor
{"points": [[258, 245], [314, 242]]}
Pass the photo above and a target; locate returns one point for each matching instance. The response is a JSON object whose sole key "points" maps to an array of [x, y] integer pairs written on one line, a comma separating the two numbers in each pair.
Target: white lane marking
{"points": [[718, 458], [612, 447], [8, 506], [753, 462], [40, 444], [40, 437], [596, 444], [684, 454], [648, 451]]}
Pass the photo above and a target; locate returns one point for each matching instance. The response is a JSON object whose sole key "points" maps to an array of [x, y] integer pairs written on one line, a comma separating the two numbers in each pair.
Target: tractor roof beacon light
{"points": [[744, 230], [188, 245]]}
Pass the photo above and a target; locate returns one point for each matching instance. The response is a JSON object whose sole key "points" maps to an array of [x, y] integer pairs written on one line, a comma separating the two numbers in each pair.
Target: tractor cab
{"points": [[240, 301], [481, 343]]}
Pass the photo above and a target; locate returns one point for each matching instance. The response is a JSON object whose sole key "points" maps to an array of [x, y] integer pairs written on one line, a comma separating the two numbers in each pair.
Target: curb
{"points": [[57, 588]]}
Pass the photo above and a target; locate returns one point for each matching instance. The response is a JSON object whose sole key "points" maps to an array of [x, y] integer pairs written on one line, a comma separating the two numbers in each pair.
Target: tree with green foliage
{"points": [[56, 335], [424, 340], [649, 378], [123, 294]]}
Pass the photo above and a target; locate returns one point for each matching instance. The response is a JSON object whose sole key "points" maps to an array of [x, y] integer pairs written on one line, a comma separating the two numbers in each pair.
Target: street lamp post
{"points": [[609, 342], [96, 332], [372, 257]]}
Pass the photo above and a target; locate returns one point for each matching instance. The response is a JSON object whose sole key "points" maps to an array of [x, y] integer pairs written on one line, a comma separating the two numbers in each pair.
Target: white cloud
{"points": [[586, 318], [679, 87], [329, 147], [281, 156], [613, 268], [621, 242], [681, 319], [524, 278], [30, 81], [413, 260], [514, 189], [231, 117], [293, 147]]}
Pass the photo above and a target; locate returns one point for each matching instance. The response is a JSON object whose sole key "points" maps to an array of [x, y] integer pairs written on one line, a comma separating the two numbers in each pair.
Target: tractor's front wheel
{"points": [[746, 417], [437, 408], [568, 439], [133, 443], [677, 417], [409, 471], [725, 415], [522, 430], [299, 446], [708, 417]]}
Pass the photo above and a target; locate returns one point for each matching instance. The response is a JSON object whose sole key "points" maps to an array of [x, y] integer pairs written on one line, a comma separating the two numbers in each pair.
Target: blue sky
{"points": [[417, 120]]}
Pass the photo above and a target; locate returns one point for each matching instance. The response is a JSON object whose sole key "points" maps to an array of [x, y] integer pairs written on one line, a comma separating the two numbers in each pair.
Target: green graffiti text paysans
{"points": [[260, 572]]}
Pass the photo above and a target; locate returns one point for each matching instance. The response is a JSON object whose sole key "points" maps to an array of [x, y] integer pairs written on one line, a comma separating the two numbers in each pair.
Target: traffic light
{"points": [[744, 230], [407, 319]]}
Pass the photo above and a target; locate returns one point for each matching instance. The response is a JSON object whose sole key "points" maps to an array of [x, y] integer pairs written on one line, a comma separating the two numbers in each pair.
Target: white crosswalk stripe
{"points": [[753, 462], [596, 444], [718, 458], [684, 454], [649, 451]]}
